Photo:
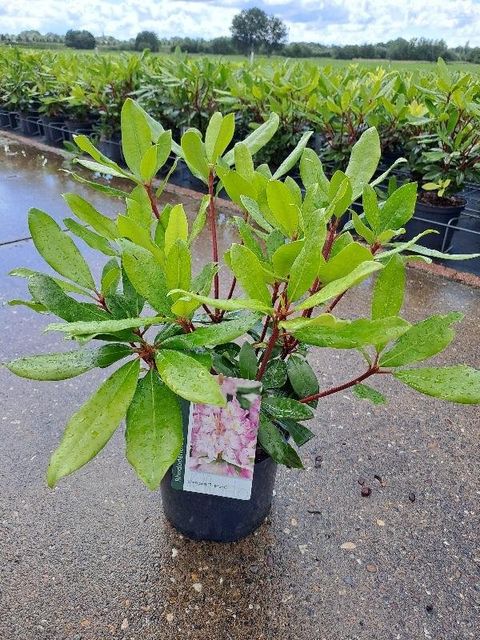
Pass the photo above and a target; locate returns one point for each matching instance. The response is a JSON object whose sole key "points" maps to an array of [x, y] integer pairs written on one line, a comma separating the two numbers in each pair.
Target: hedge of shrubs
{"points": [[432, 118]]}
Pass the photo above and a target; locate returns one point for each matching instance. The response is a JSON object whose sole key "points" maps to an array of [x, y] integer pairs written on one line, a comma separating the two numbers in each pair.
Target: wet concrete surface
{"points": [[95, 559]]}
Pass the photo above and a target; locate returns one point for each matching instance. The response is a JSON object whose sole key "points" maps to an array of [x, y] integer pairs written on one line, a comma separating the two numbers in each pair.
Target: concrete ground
{"points": [[95, 559]]}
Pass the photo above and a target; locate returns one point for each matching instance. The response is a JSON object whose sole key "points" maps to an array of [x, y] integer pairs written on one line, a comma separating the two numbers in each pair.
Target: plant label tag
{"points": [[218, 456]]}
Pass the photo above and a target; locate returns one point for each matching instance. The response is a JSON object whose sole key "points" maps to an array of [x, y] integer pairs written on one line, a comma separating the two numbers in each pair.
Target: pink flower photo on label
{"points": [[223, 439]]}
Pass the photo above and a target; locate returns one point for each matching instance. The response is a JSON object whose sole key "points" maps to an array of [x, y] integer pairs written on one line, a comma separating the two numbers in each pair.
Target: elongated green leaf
{"points": [[89, 430], [194, 154], [98, 186], [284, 257], [23, 272], [234, 304], [105, 326], [293, 157], [219, 333], [258, 138], [187, 378], [139, 235], [283, 207], [311, 171], [177, 227], [364, 392], [243, 161], [389, 289], [276, 446], [370, 207], [103, 169], [455, 384], [254, 212], [398, 208], [327, 331], [88, 214], [400, 247], [199, 222], [344, 262], [363, 161], [249, 272], [335, 288], [47, 292], [136, 136], [422, 341], [60, 366], [111, 274], [146, 275], [92, 239], [275, 375], [305, 268], [219, 134], [155, 157], [154, 432], [58, 250], [301, 376], [34, 306], [433, 253], [280, 407], [84, 144], [247, 361]]}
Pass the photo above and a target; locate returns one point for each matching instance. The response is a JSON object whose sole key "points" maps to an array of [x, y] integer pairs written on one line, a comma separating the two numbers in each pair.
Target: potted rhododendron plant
{"points": [[211, 369]]}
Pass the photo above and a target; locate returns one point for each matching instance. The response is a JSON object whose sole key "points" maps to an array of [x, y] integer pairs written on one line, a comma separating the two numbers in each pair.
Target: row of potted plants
{"points": [[430, 118], [196, 350]]}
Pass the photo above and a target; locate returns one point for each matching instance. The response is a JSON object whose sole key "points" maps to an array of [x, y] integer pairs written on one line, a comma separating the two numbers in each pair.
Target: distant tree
{"points": [[250, 29], [223, 45], [79, 39], [276, 35], [147, 40]]}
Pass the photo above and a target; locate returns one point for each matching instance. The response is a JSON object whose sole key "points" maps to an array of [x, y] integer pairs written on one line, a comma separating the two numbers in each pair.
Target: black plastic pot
{"points": [[217, 519], [5, 119], [112, 149], [28, 123], [52, 129], [76, 127], [183, 178], [441, 219]]}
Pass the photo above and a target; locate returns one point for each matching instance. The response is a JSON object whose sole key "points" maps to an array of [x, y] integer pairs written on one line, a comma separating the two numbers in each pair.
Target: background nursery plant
{"points": [[253, 313]]}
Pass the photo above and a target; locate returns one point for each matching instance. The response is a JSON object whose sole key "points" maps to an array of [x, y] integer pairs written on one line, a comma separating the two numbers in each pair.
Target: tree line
{"points": [[254, 31]]}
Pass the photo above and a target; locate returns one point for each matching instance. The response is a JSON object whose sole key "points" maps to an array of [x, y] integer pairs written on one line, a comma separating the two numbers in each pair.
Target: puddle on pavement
{"points": [[31, 177]]}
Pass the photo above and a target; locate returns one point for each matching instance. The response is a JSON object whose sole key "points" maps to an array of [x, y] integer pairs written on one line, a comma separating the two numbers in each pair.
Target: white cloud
{"points": [[329, 21]]}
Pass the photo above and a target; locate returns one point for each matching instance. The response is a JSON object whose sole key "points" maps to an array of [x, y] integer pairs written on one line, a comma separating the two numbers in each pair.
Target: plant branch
{"points": [[321, 394], [212, 214], [153, 202]]}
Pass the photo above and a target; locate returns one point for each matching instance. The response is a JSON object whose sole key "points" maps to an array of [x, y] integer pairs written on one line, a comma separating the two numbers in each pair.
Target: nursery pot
{"points": [[112, 149], [206, 517], [441, 219], [28, 123], [4, 119], [52, 129]]}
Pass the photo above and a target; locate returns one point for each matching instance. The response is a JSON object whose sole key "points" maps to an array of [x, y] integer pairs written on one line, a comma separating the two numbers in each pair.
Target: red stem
{"points": [[268, 351], [151, 196], [321, 394], [213, 230]]}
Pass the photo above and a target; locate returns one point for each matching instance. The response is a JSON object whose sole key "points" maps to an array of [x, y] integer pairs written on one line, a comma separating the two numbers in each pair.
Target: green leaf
{"points": [[155, 157], [84, 144], [146, 276], [250, 273], [275, 445], [399, 247], [219, 134], [327, 331], [235, 185], [88, 214], [299, 432], [194, 154], [364, 392], [424, 340], [89, 430], [258, 138], [389, 289], [219, 333], [136, 136], [304, 269], [344, 262], [154, 433], [398, 208], [177, 227], [455, 384], [98, 186], [199, 222], [130, 229], [280, 407], [247, 361], [301, 376], [47, 292], [104, 326], [335, 288], [103, 169], [283, 207], [275, 375], [58, 250], [60, 366], [178, 275], [187, 378], [363, 161], [111, 274], [284, 257], [311, 171], [34, 306], [433, 253], [254, 212], [243, 161], [234, 304], [23, 272], [139, 207], [93, 240], [293, 157], [361, 228]]}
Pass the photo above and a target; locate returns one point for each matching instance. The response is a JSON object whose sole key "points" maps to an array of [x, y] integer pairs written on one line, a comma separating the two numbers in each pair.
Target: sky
{"points": [[326, 21]]}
